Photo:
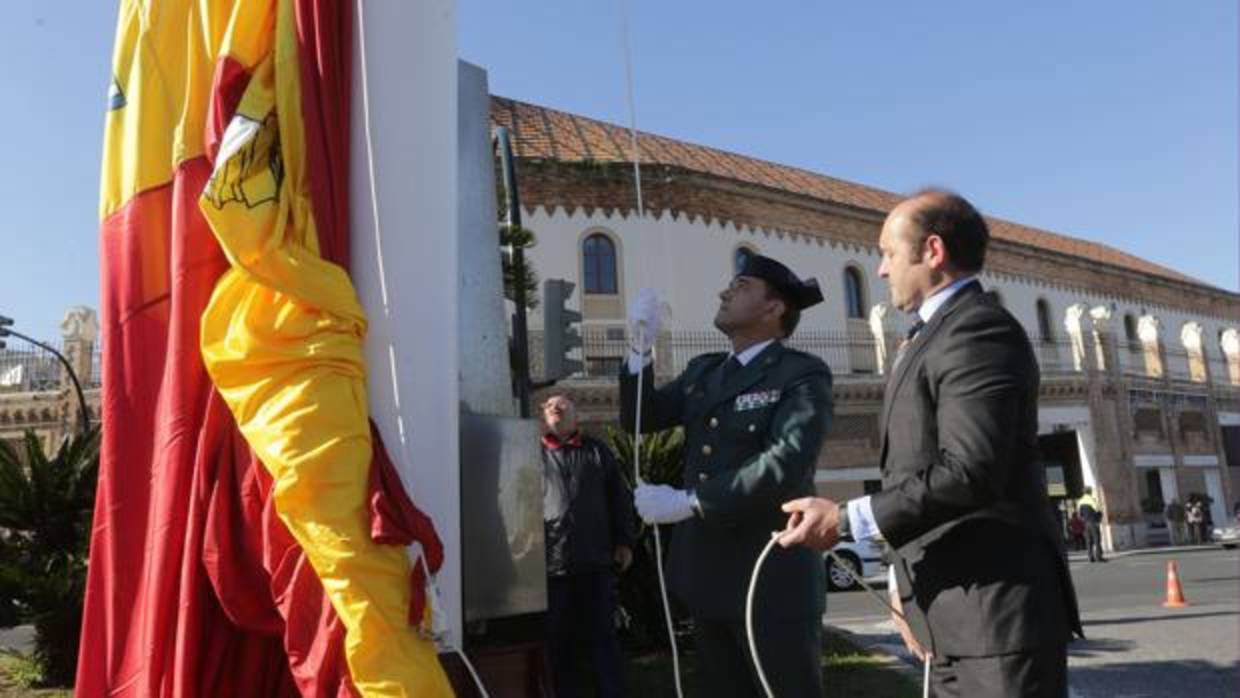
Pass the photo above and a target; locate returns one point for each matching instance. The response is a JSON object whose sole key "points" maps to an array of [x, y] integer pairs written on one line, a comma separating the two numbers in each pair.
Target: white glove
{"points": [[661, 504], [644, 320]]}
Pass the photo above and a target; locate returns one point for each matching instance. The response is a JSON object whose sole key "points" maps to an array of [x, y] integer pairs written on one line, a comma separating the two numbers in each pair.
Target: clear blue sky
{"points": [[1112, 120]]}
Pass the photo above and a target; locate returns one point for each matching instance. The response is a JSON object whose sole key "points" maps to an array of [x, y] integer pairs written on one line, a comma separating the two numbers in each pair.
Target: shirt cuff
{"points": [[861, 519], [637, 362], [695, 504]]}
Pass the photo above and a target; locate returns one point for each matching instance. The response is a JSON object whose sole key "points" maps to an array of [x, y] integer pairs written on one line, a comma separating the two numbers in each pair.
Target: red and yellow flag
{"points": [[228, 311]]}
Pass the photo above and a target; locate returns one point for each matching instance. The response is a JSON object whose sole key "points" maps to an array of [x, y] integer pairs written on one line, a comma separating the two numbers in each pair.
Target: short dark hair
{"points": [[950, 216], [792, 314]]}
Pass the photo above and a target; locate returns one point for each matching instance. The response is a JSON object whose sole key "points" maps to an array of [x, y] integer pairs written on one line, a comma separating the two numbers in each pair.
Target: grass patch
{"points": [[847, 670], [18, 672]]}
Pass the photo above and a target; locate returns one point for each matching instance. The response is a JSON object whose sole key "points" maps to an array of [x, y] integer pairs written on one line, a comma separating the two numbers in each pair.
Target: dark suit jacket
{"points": [[979, 561], [751, 443]]}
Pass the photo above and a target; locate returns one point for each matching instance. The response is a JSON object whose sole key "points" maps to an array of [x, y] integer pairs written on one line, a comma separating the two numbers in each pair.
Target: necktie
{"points": [[912, 331], [908, 339], [730, 367]]}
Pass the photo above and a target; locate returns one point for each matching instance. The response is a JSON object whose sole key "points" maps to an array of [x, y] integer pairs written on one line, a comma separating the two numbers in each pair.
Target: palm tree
{"points": [[45, 520], [662, 462], [662, 455]]}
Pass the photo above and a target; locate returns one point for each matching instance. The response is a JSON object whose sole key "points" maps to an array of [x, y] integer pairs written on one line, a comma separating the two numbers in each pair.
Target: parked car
{"points": [[864, 557], [1227, 536]]}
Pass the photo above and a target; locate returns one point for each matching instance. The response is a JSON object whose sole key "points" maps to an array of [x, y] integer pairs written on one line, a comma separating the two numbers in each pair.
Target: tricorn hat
{"points": [[802, 294]]}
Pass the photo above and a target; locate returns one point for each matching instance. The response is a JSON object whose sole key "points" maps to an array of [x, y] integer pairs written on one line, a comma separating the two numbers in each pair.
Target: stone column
{"points": [[1229, 343], [1093, 344], [1104, 339], [1080, 335], [1191, 336], [1149, 331], [884, 337]]}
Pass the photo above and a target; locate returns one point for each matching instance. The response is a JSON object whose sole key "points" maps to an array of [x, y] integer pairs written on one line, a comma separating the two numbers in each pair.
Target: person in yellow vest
{"points": [[1091, 512]]}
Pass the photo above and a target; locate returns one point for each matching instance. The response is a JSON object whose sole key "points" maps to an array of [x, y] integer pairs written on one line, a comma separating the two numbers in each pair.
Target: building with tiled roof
{"points": [[1141, 363]]}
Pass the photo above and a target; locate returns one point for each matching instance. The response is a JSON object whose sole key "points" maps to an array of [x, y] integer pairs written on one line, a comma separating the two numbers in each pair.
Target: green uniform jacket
{"points": [[751, 444]]}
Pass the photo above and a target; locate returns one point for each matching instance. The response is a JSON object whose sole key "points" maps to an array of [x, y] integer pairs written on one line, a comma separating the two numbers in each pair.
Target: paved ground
{"points": [[1134, 647], [19, 639]]}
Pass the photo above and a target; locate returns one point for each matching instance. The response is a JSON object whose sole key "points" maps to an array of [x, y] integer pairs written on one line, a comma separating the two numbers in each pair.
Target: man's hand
{"points": [[623, 557], [660, 504], [909, 641], [814, 522]]}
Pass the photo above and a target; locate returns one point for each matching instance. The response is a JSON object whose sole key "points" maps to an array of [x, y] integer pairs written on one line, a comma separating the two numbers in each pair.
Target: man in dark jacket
{"points": [[588, 517], [755, 419], [978, 562]]}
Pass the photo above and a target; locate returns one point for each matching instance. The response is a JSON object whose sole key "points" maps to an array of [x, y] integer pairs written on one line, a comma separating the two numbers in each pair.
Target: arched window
{"points": [[854, 293], [738, 258], [1045, 329], [598, 254], [1130, 334]]}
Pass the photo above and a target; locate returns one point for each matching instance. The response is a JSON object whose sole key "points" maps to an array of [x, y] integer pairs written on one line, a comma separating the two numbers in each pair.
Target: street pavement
{"points": [[1134, 648]]}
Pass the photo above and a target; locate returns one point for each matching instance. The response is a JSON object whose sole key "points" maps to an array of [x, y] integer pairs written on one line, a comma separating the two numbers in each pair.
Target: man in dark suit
{"points": [[754, 421], [979, 567]]}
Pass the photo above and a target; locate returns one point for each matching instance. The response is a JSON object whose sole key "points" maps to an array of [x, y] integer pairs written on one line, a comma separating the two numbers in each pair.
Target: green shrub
{"points": [[45, 515]]}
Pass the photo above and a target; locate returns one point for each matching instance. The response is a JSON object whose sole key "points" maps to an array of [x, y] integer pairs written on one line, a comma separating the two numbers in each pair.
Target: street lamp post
{"points": [[6, 330]]}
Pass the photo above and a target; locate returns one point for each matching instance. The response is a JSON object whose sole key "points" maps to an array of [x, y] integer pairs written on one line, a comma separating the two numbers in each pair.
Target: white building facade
{"points": [[1140, 395]]}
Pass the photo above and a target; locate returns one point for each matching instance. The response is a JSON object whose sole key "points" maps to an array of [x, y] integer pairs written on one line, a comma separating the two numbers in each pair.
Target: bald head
{"points": [[927, 242], [560, 415], [953, 219]]}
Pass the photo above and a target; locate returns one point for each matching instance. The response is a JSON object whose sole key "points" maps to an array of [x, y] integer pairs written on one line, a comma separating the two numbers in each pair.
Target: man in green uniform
{"points": [[754, 420]]}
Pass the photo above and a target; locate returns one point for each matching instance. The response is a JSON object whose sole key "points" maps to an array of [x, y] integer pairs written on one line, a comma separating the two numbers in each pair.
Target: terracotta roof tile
{"points": [[540, 132]]}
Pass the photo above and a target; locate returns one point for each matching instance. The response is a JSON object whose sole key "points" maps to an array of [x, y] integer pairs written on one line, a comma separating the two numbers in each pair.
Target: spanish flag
{"points": [[249, 529]]}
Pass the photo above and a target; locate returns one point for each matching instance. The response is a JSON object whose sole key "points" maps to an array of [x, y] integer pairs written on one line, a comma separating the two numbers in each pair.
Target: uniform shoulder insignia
{"points": [[803, 357], [708, 359]]}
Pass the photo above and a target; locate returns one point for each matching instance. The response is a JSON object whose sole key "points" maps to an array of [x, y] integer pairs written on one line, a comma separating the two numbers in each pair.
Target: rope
{"points": [[753, 585], [637, 438], [628, 79], [658, 542], [753, 644]]}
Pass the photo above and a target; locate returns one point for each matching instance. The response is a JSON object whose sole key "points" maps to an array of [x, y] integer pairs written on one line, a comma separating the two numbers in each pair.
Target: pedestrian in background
{"points": [[1194, 514], [1076, 529], [1091, 513], [589, 525], [1174, 516]]}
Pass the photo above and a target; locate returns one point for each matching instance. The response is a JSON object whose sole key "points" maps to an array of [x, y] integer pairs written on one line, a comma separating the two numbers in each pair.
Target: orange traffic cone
{"points": [[1175, 593]]}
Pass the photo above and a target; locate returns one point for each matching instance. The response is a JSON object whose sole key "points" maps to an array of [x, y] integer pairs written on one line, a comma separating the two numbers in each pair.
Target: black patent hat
{"points": [[801, 293]]}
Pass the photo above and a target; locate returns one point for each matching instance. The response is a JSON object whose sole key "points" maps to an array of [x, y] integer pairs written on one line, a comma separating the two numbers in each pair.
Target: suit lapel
{"points": [[913, 352], [749, 374]]}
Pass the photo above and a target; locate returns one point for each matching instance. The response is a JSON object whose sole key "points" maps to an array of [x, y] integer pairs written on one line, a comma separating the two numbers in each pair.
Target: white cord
{"points": [[753, 644], [658, 542], [637, 439], [628, 79], [440, 636], [439, 630], [753, 583]]}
